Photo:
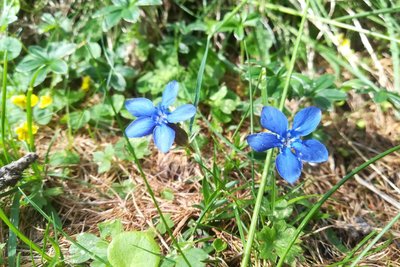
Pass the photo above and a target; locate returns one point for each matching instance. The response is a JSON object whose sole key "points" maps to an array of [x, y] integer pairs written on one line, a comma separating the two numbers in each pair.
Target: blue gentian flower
{"points": [[158, 119], [292, 149]]}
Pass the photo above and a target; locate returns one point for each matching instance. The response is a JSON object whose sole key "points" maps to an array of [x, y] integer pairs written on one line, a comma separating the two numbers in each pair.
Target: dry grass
{"points": [[354, 210]]}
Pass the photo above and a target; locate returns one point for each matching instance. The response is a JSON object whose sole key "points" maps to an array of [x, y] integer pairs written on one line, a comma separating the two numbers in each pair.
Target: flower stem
{"points": [[29, 117], [4, 106], [268, 159]]}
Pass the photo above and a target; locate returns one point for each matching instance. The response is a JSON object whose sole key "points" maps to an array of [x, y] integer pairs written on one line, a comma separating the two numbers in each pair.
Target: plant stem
{"points": [[3, 107], [29, 117], [268, 159]]}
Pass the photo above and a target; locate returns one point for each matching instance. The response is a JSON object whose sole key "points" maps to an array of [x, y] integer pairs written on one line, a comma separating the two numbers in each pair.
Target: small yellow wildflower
{"points": [[85, 83], [20, 100], [45, 101], [22, 131]]}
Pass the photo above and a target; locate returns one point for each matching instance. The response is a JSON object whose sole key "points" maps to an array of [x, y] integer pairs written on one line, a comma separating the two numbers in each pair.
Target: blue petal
{"points": [[182, 113], [140, 107], [140, 127], [274, 120], [306, 121], [169, 94], [164, 136], [263, 141], [288, 165], [311, 151]]}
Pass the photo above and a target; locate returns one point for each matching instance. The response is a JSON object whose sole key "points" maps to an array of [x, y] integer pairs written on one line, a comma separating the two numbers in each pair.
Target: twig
{"points": [[11, 173]]}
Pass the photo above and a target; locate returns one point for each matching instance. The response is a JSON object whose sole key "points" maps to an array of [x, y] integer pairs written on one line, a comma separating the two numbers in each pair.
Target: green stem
{"points": [[29, 117], [22, 237], [4, 106], [268, 159], [318, 205], [376, 239]]}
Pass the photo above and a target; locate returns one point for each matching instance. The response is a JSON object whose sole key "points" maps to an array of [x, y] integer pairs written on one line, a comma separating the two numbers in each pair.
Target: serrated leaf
{"points": [[64, 157]]}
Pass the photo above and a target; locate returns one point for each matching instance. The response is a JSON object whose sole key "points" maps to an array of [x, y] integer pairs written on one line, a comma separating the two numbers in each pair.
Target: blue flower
{"points": [[292, 149], [158, 119]]}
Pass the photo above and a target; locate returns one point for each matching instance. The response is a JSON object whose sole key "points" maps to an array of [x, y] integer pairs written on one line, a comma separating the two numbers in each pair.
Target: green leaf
{"points": [[58, 66], [12, 46], [110, 228], [118, 102], [123, 188], [42, 116], [64, 157], [77, 119], [8, 13], [134, 249], [195, 256], [104, 159], [131, 14], [148, 2], [60, 50], [161, 227], [29, 63], [219, 245], [90, 242]]}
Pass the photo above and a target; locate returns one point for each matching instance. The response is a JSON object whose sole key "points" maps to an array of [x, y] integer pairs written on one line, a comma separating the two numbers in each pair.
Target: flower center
{"points": [[160, 116]]}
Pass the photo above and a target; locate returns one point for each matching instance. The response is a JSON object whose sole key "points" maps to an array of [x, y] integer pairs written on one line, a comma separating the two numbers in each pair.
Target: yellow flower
{"points": [[45, 101], [85, 83], [22, 131], [20, 100]]}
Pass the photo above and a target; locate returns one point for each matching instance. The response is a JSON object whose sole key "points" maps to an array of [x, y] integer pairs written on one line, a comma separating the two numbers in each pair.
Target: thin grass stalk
{"points": [[50, 220], [22, 237], [338, 24], [268, 158], [4, 107], [200, 73], [318, 205], [376, 239]]}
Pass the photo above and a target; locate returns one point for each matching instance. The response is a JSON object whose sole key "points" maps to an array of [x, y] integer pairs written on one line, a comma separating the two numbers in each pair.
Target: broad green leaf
{"points": [[60, 50], [42, 116], [91, 242], [63, 157], [58, 66], [30, 63], [195, 256], [219, 245], [77, 119], [12, 46], [134, 249], [110, 228], [131, 14]]}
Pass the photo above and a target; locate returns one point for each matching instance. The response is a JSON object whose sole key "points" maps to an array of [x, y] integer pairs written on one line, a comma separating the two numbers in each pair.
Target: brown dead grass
{"points": [[354, 210]]}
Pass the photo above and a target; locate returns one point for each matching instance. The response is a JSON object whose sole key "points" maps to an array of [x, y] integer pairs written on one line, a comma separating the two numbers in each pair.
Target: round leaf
{"points": [[12, 46], [133, 249]]}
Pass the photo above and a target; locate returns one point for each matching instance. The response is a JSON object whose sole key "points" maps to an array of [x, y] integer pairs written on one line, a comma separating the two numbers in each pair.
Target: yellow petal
{"points": [[45, 101], [19, 100], [34, 100], [85, 83]]}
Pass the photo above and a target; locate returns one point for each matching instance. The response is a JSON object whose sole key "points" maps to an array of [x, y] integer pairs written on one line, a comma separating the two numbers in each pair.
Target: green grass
{"points": [[254, 54]]}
